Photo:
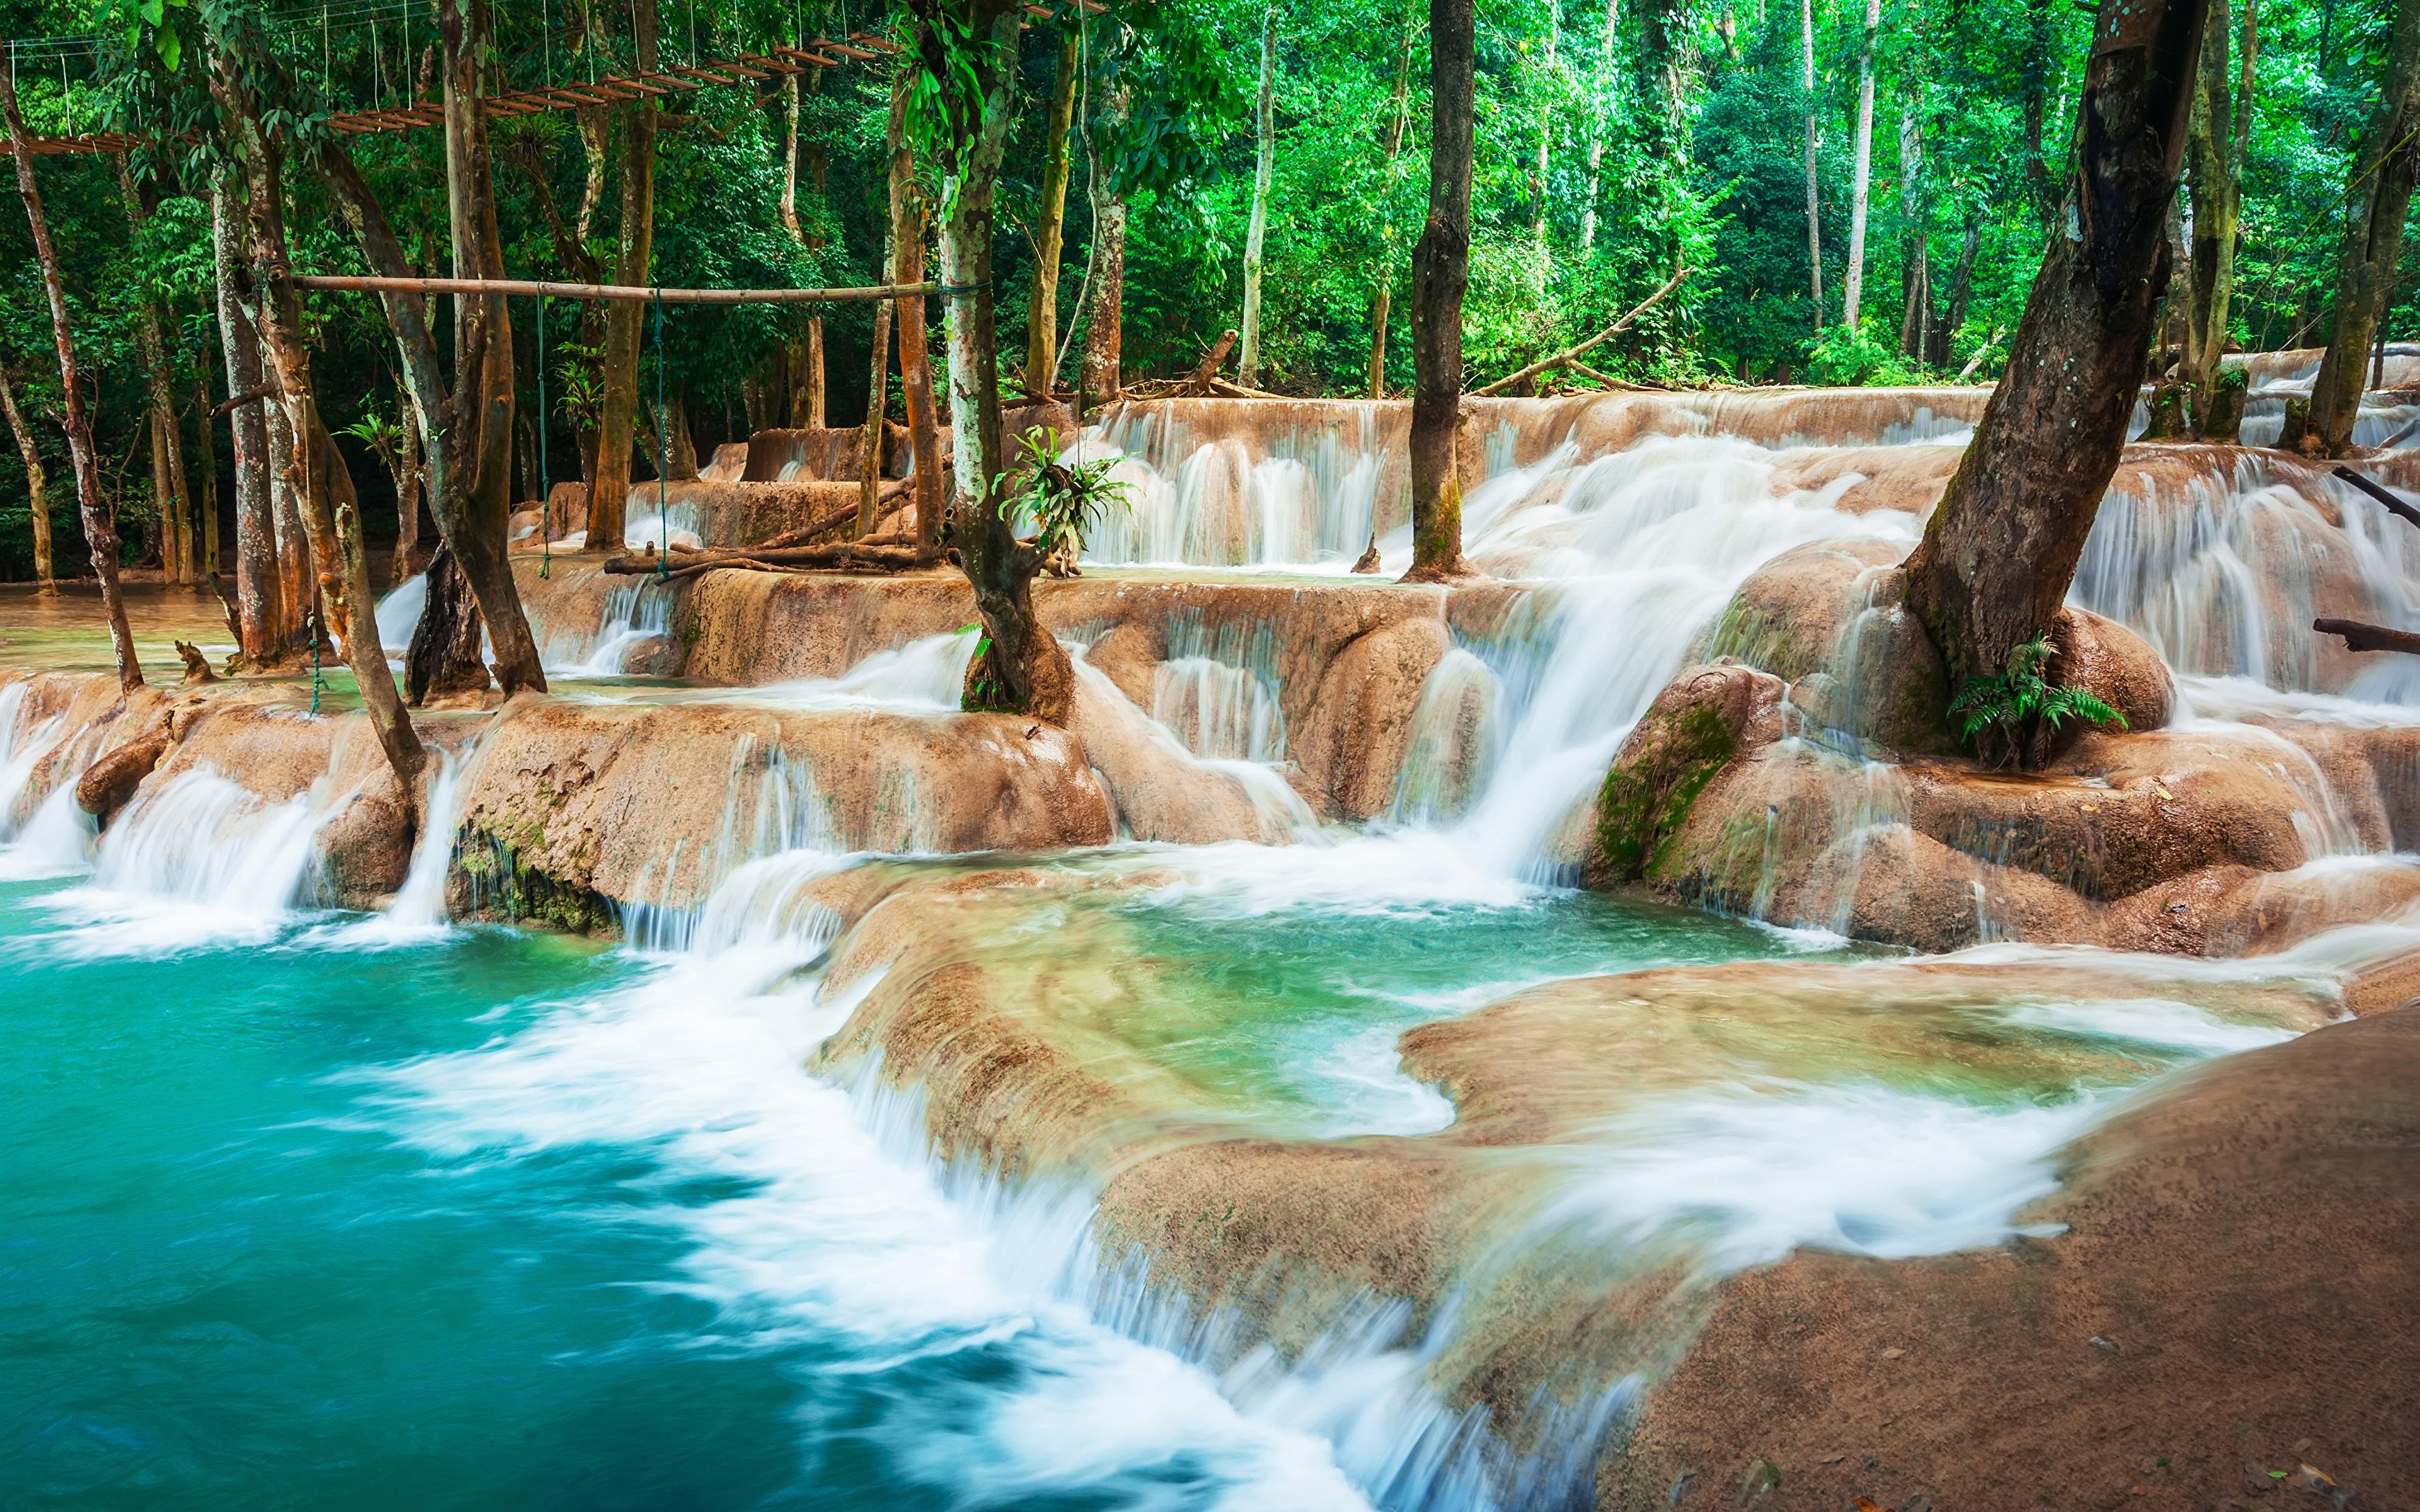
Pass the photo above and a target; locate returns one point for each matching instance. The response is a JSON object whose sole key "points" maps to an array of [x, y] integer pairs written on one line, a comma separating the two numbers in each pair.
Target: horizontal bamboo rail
{"points": [[627, 292]]}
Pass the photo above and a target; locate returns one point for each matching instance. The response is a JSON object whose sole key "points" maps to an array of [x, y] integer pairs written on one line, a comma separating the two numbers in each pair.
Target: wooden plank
{"points": [[814, 59], [846, 50]]}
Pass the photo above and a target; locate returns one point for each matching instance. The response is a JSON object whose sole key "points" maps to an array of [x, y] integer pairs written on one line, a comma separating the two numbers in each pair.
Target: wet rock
{"points": [[1361, 723], [2267, 1208], [108, 784], [1696, 727], [2113, 663], [1161, 790]]}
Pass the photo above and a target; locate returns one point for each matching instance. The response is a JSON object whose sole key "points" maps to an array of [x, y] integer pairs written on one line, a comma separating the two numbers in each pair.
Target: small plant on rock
{"points": [[1062, 501], [2001, 718]]}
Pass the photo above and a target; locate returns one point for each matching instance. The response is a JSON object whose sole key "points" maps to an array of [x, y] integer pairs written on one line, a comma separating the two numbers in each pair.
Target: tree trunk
{"points": [[1102, 331], [1915, 276], [878, 393], [790, 159], [444, 659], [2212, 177], [259, 592], [167, 444], [1861, 186], [2034, 69], [675, 460], [207, 499], [1961, 288], [624, 318], [2375, 206], [1597, 120], [807, 407], [407, 485], [1023, 668], [1814, 220], [37, 492], [1440, 271], [294, 588], [1998, 555], [98, 529], [1049, 230], [915, 355], [1398, 116], [1538, 197], [1256, 234]]}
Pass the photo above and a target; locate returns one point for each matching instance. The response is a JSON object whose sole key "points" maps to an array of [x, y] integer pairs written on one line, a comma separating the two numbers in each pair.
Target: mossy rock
{"points": [[1696, 726]]}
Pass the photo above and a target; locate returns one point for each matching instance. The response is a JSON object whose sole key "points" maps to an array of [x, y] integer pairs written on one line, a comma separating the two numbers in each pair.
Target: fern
{"points": [[2021, 696], [1062, 500]]}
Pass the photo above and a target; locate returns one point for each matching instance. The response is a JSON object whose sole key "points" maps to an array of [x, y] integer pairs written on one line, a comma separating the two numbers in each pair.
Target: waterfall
{"points": [[637, 609], [399, 614], [197, 859], [1217, 711]]}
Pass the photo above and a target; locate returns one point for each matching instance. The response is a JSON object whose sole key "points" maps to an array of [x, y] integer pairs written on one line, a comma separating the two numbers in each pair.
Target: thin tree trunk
{"points": [[1103, 333], [1399, 109], [1814, 221], [1861, 187], [294, 588], [809, 381], [2375, 206], [167, 447], [2034, 70], [624, 319], [1050, 230], [407, 485], [98, 529], [1023, 668], [869, 472], [206, 452], [332, 509], [1256, 234], [1538, 198], [1961, 288], [38, 489], [915, 358], [1916, 280], [259, 592], [2210, 169], [1597, 119], [1440, 272], [791, 158], [1999, 552]]}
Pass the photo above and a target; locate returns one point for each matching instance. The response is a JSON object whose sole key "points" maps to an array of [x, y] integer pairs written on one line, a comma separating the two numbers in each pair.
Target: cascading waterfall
{"points": [[202, 859], [637, 609]]}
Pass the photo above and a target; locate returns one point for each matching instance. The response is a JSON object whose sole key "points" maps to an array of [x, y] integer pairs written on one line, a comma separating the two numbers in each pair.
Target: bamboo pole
{"points": [[631, 292]]}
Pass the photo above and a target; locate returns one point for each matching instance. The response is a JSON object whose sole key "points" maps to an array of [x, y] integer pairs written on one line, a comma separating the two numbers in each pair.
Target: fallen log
{"points": [[887, 553], [2393, 506], [2360, 636], [1592, 343], [1197, 381]]}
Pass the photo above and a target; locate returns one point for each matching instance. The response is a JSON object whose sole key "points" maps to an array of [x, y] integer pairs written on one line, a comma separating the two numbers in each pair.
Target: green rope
{"points": [[663, 531], [544, 498], [319, 633]]}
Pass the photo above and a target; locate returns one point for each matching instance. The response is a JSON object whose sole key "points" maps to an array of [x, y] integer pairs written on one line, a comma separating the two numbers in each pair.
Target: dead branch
{"points": [[2393, 506], [1199, 380], [2360, 636], [893, 553], [237, 401], [1592, 343]]}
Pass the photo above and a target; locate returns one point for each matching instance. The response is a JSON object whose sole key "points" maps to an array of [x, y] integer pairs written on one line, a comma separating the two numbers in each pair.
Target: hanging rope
{"points": [[319, 633], [663, 531], [545, 492]]}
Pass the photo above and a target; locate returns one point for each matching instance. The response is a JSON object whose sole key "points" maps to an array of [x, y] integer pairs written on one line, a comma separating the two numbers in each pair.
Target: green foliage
{"points": [[2008, 707], [1060, 500], [1860, 358]]}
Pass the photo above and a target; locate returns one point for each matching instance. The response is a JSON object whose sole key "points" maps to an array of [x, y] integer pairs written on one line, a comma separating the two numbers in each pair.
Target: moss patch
{"points": [[1649, 792]]}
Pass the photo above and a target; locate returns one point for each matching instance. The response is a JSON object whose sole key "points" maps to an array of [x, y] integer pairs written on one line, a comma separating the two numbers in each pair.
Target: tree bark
{"points": [[1440, 272], [167, 444], [2034, 69], [1860, 189], [791, 158], [38, 486], [807, 407], [1050, 229], [624, 321], [1256, 234], [207, 496], [1103, 333], [1998, 554], [294, 588], [444, 658], [1023, 668], [260, 591], [1961, 288], [1399, 116], [1597, 120], [2211, 168], [1916, 279], [99, 532], [407, 485], [915, 355], [869, 471], [1814, 219], [2375, 206]]}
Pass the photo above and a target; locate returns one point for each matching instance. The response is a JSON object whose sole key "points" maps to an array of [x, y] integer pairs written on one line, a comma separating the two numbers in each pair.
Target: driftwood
{"points": [[888, 554], [198, 665], [1564, 357], [2393, 506], [1207, 369], [2360, 636], [1624, 385]]}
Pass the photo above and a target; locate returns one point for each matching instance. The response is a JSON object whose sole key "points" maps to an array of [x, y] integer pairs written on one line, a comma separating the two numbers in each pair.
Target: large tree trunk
{"points": [[1023, 668], [1997, 556], [1861, 186], [1814, 222], [1440, 271], [1103, 333], [260, 591], [38, 486], [474, 494], [807, 392], [444, 659], [99, 532], [1399, 110], [1256, 234], [2375, 205], [1050, 229], [915, 350], [2211, 170], [167, 442], [294, 589], [624, 319]]}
